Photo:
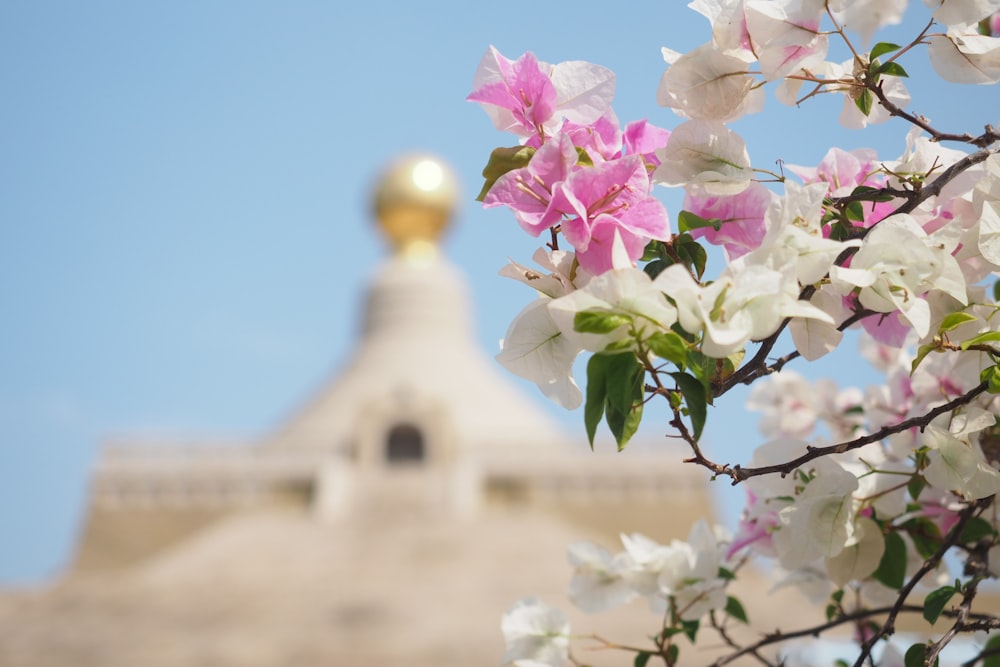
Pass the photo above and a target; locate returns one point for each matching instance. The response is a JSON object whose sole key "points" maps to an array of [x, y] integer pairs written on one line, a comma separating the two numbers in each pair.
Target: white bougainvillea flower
{"points": [[628, 292], [821, 520], [866, 16], [536, 350], [786, 36], [963, 55], [962, 12], [896, 265], [598, 583], [708, 84], [559, 277], [707, 156], [691, 577], [860, 559], [955, 464], [535, 635]]}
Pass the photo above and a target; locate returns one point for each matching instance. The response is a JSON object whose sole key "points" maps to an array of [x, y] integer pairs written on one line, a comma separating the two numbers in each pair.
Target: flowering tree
{"points": [[880, 503]]}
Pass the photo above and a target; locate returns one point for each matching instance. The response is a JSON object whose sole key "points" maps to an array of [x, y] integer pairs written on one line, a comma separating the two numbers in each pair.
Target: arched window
{"points": [[405, 444]]}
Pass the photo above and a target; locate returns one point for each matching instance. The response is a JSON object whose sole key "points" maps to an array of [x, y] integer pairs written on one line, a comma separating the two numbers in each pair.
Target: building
{"points": [[391, 521]]}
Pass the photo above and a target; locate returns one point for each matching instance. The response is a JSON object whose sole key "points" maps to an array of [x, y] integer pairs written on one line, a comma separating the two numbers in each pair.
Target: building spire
{"points": [[414, 201]]}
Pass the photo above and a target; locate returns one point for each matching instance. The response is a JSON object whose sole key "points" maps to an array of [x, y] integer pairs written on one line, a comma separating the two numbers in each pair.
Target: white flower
{"points": [[598, 583], [535, 635], [964, 56], [708, 84], [957, 465], [535, 349], [705, 155]]}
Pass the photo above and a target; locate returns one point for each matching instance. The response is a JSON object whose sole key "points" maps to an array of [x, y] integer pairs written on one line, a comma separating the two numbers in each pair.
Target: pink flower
{"points": [[742, 218], [528, 191], [846, 170], [522, 96], [615, 193]]}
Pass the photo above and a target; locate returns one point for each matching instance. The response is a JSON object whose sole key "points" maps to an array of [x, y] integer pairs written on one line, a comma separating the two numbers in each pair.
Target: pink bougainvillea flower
{"points": [[528, 191], [517, 95], [742, 217], [642, 138], [615, 192], [846, 170]]}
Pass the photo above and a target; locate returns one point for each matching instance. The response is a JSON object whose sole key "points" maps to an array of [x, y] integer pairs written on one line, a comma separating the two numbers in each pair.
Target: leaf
{"points": [[881, 49], [735, 609], [691, 629], [936, 601], [597, 392], [669, 346], [691, 253], [625, 389], [864, 102], [915, 655], [991, 376], [686, 221], [695, 400], [641, 658], [892, 568], [855, 211], [953, 320], [991, 652], [598, 322], [893, 69], [988, 337], [996, 290], [922, 352], [501, 161], [976, 529], [872, 194], [925, 534], [915, 486]]}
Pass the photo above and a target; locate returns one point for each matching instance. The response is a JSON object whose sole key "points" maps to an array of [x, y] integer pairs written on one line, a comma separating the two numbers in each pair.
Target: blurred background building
{"points": [[391, 520]]}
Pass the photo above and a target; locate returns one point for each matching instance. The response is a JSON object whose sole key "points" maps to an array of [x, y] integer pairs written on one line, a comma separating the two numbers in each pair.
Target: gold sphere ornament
{"points": [[414, 200]]}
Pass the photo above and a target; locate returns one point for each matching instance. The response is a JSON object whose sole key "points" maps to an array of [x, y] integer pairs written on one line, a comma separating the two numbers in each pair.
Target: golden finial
{"points": [[414, 202]]}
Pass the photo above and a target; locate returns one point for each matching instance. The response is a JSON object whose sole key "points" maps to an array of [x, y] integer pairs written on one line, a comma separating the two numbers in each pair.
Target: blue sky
{"points": [[184, 204]]}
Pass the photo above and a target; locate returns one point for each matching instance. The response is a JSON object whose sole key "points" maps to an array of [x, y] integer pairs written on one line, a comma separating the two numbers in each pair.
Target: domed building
{"points": [[392, 520]]}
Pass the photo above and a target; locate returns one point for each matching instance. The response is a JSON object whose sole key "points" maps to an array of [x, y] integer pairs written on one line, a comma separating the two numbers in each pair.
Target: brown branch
{"points": [[990, 136], [888, 625], [740, 474]]}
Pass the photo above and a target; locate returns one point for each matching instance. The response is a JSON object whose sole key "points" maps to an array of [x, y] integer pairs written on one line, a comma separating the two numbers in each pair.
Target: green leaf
{"points": [[872, 194], [691, 629], [692, 253], [922, 352], [991, 376], [936, 601], [653, 250], [625, 390], [881, 49], [654, 268], [673, 652], [641, 658], [892, 69], [953, 320], [501, 161], [996, 290], [735, 609], [988, 337], [597, 393], [599, 322], [855, 211], [915, 486], [991, 652], [686, 221], [892, 568], [976, 529], [695, 400], [915, 655], [668, 345], [925, 534], [864, 102]]}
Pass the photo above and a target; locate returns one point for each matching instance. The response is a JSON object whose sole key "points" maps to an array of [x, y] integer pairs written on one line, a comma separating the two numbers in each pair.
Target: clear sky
{"points": [[184, 204]]}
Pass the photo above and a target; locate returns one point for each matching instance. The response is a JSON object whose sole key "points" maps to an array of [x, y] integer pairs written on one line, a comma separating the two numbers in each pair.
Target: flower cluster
{"points": [[860, 491]]}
